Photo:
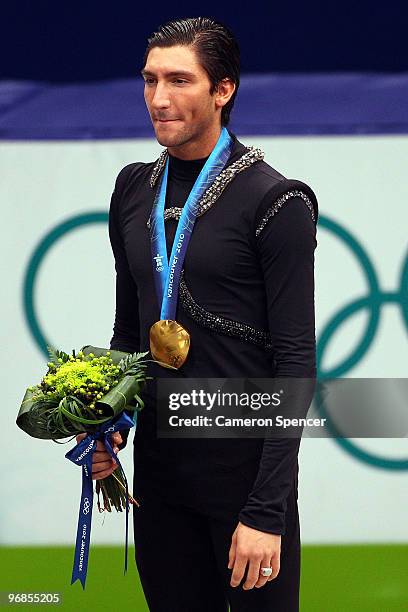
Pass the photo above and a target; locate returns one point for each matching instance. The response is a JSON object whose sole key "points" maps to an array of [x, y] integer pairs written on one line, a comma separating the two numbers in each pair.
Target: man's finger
{"points": [[232, 551], [266, 562], [101, 466], [104, 473], [99, 456], [117, 438], [253, 573], [239, 569], [275, 563]]}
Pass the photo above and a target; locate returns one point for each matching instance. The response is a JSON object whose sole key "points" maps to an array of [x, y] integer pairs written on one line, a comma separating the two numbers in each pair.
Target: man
{"points": [[215, 514]]}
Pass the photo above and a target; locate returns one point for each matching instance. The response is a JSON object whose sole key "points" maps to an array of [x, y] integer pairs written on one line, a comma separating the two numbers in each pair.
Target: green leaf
{"points": [[139, 401], [81, 420], [63, 356], [53, 355]]}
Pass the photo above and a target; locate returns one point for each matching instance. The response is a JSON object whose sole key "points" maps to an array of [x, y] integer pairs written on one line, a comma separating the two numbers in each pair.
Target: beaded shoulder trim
{"points": [[215, 190], [219, 324], [277, 205]]}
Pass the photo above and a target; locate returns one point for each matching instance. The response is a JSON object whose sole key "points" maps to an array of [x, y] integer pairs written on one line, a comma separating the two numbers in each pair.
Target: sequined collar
{"points": [[211, 195], [162, 159]]}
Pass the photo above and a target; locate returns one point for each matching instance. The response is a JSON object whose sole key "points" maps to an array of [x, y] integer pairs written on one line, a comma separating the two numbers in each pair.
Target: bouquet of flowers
{"points": [[95, 391]]}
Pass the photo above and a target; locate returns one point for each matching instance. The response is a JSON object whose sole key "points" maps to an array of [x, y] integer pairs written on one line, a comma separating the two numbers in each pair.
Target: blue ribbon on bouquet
{"points": [[81, 455]]}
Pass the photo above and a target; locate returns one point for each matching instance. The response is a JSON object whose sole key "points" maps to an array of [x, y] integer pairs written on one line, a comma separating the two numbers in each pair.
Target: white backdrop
{"points": [[360, 183]]}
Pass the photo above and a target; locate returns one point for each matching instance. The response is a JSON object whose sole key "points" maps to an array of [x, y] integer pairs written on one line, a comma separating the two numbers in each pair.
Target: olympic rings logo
{"points": [[87, 506], [372, 302]]}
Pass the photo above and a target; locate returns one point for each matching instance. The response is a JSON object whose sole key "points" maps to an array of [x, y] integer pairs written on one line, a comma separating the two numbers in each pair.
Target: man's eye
{"points": [[180, 81], [148, 80]]}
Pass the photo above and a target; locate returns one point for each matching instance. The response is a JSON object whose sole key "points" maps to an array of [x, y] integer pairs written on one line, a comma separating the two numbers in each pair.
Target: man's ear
{"points": [[224, 91]]}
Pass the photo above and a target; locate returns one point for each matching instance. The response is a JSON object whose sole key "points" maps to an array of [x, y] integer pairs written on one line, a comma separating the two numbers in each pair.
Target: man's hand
{"points": [[102, 463], [259, 549]]}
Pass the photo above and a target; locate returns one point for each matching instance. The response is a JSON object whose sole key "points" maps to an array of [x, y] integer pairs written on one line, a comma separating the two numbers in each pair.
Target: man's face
{"points": [[177, 95]]}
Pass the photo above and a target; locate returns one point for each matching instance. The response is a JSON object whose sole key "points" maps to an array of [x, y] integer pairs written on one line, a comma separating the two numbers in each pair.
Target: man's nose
{"points": [[161, 97]]}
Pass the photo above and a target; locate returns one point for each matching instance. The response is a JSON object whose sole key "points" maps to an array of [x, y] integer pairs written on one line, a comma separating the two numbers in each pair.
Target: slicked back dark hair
{"points": [[215, 45]]}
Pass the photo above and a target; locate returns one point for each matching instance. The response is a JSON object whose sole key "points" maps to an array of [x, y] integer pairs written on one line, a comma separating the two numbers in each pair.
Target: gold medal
{"points": [[169, 343]]}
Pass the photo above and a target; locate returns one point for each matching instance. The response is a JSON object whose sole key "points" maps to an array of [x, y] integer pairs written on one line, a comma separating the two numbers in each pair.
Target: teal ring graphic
{"points": [[372, 302], [35, 261]]}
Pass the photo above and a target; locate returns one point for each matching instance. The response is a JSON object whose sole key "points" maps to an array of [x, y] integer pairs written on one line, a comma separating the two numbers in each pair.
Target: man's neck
{"points": [[197, 150]]}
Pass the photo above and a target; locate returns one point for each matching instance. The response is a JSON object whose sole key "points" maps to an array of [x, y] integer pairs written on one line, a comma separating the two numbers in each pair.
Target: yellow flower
{"points": [[72, 375]]}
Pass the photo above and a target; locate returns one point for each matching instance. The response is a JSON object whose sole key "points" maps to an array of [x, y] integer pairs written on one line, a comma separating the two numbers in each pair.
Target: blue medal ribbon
{"points": [[81, 455], [167, 273]]}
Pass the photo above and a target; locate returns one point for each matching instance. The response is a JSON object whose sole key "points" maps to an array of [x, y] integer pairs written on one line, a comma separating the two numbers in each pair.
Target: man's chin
{"points": [[164, 141], [170, 140]]}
